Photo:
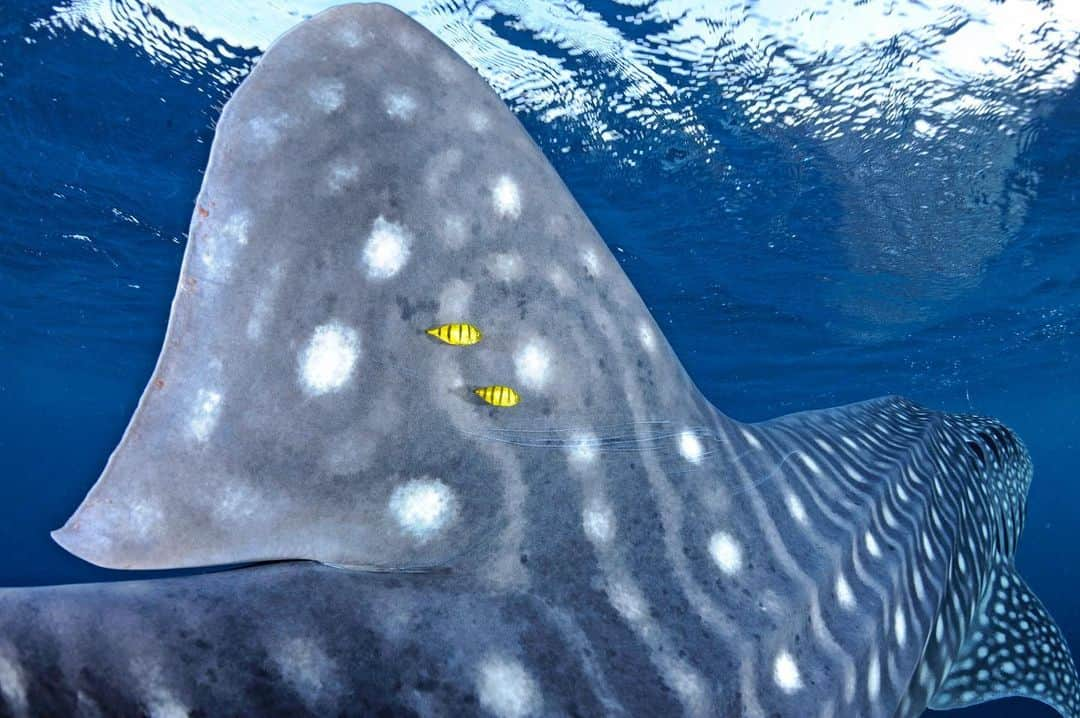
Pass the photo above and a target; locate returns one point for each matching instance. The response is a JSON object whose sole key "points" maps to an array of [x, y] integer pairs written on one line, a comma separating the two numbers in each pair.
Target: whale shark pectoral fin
{"points": [[1013, 648], [366, 186]]}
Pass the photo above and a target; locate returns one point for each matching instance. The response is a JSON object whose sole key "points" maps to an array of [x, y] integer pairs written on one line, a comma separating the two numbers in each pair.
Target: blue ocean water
{"points": [[820, 205]]}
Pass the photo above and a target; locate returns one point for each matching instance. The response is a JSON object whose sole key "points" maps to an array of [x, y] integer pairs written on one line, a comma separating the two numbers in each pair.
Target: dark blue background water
{"points": [[765, 259]]}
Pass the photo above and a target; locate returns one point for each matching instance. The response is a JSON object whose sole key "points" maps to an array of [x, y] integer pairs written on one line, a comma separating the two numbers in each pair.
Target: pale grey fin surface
{"points": [[1014, 648], [364, 185]]}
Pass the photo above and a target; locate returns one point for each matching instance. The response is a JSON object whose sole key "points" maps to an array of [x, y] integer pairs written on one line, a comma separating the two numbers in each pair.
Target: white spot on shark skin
{"points": [[304, 665], [506, 688], [900, 626], [341, 175], [387, 249], [236, 229], [400, 105], [581, 450], [454, 300], [627, 600], [422, 507], [448, 70], [844, 594], [927, 548], [506, 266], [266, 131], [560, 280], [350, 452], [264, 299], [532, 365], [873, 679], [447, 378], [850, 685], [85, 706], [920, 589], [328, 360], [872, 545], [329, 95], [162, 704], [786, 673], [218, 246], [751, 439], [796, 508], [12, 684], [205, 411], [809, 462], [647, 337], [887, 515], [726, 552], [926, 678], [591, 262], [506, 197], [236, 502], [598, 523], [140, 519], [352, 35], [690, 447], [454, 232], [688, 684], [479, 121], [408, 40]]}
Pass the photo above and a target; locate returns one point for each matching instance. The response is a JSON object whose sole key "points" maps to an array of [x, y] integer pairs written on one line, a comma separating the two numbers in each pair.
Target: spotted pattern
{"points": [[506, 689], [329, 358], [422, 507], [630, 542]]}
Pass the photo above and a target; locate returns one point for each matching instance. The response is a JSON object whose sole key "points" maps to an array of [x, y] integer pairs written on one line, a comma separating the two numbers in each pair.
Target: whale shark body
{"points": [[403, 368]]}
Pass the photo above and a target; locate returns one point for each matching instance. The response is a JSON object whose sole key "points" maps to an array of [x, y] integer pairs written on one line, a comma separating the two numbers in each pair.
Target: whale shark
{"points": [[406, 387]]}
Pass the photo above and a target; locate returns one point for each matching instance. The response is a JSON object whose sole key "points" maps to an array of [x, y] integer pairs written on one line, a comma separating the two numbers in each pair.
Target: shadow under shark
{"points": [[610, 544]]}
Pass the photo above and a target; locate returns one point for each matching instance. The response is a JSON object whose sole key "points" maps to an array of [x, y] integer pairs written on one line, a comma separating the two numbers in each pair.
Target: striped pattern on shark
{"points": [[610, 545]]}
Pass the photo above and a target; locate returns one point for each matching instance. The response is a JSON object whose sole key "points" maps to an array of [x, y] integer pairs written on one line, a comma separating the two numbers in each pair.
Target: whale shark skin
{"points": [[610, 545]]}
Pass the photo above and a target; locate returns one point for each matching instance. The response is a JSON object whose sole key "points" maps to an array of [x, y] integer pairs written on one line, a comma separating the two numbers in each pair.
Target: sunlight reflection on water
{"points": [[922, 107]]}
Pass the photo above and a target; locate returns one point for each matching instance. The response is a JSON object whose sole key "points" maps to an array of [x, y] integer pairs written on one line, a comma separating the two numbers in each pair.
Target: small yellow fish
{"points": [[498, 395], [460, 335]]}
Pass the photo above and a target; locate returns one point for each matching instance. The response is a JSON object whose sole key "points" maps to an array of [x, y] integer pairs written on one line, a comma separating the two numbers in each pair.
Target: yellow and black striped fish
{"points": [[498, 395], [459, 334]]}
